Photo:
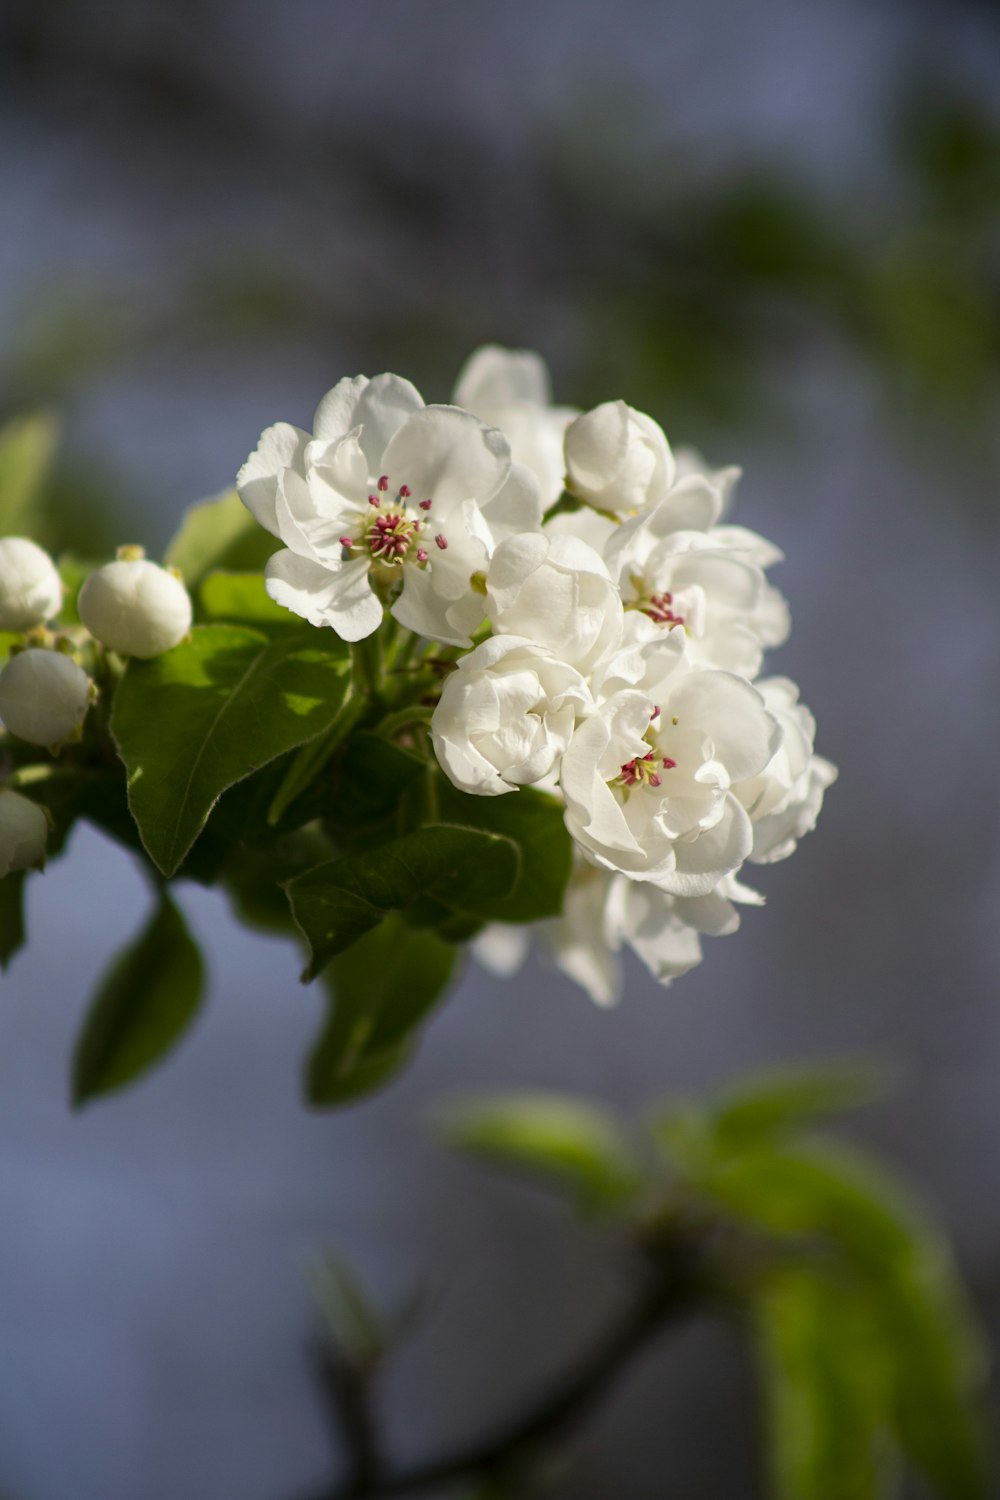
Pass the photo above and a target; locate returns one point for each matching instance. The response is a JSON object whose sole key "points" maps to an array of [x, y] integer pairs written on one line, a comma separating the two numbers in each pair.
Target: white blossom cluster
{"points": [[610, 626]]}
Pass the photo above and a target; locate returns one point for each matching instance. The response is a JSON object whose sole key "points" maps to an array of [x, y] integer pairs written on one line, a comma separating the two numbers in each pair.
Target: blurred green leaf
{"points": [[381, 989], [241, 599], [908, 1286], [27, 446], [789, 1101], [12, 933], [74, 572], [219, 534], [340, 901], [145, 1002], [573, 1144], [354, 1323], [369, 779], [193, 722], [824, 1389]]}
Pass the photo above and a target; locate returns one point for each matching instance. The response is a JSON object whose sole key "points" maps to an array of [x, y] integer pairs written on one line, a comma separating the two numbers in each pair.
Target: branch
{"points": [[681, 1286]]}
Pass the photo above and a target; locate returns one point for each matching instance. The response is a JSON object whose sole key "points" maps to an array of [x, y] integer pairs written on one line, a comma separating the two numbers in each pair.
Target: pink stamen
{"points": [[668, 764], [374, 500], [441, 541], [426, 504], [405, 492], [421, 554], [347, 541], [383, 483]]}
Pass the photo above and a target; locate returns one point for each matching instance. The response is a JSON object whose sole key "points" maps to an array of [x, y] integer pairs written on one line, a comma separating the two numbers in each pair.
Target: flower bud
{"points": [[617, 458], [30, 587], [24, 830], [135, 607], [44, 696]]}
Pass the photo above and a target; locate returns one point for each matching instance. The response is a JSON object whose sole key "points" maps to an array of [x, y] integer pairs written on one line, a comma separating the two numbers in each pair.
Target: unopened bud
{"points": [[30, 587], [24, 829], [44, 696], [135, 607]]}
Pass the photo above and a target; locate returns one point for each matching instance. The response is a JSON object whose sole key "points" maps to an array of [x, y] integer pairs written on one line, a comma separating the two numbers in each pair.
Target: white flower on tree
{"points": [[44, 696], [558, 592], [648, 785], [135, 607], [24, 831], [506, 715], [30, 587], [785, 798], [511, 389], [390, 498], [707, 584]]}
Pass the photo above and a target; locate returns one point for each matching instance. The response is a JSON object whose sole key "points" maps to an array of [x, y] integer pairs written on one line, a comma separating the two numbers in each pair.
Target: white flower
{"points": [[706, 585], [30, 588], [648, 784], [506, 715], [785, 798], [24, 830], [389, 492], [557, 592], [510, 389], [604, 912], [135, 607], [44, 696], [690, 463]]}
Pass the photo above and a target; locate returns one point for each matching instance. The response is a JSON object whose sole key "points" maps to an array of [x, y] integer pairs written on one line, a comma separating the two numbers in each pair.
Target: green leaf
{"points": [[573, 1144], [381, 989], [340, 901], [193, 722], [145, 1002], [370, 778], [910, 1292], [74, 572], [27, 445], [355, 1324], [824, 1380], [11, 915], [218, 534], [792, 1100], [534, 821], [242, 599]]}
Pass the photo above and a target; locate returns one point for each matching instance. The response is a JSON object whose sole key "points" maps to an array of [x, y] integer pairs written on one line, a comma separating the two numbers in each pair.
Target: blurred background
{"points": [[776, 227]]}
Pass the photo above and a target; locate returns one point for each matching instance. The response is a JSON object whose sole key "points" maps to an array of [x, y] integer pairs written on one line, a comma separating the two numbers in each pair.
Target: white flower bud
{"points": [[617, 458], [30, 588], [44, 696], [135, 607], [24, 830]]}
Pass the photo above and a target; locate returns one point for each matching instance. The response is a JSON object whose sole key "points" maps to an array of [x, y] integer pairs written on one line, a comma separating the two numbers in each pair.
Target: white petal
{"points": [[449, 456], [281, 447], [493, 377], [733, 714], [342, 599], [715, 852], [517, 505], [379, 407]]}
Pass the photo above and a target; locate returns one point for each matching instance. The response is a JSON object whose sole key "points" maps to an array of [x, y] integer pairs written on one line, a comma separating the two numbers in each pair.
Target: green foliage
{"points": [[218, 534], [534, 821], [354, 1323], [462, 869], [241, 599], [195, 721], [575, 1145], [381, 989], [27, 445], [145, 1002]]}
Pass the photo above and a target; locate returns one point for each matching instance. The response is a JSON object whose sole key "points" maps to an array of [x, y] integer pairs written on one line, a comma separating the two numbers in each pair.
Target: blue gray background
{"points": [[212, 212]]}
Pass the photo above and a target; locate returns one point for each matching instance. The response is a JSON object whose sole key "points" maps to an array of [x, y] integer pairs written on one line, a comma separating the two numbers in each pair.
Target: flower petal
{"points": [[341, 598], [281, 447], [379, 407], [447, 455]]}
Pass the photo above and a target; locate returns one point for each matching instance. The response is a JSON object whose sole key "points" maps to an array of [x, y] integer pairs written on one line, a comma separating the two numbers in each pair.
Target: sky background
{"points": [[739, 218]]}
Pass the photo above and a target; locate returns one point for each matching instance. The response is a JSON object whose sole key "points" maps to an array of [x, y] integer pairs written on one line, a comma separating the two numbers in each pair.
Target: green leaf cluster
{"points": [[272, 759], [870, 1357]]}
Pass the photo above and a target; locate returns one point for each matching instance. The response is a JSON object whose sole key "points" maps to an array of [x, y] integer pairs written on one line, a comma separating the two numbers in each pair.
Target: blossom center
{"points": [[643, 770], [395, 528]]}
